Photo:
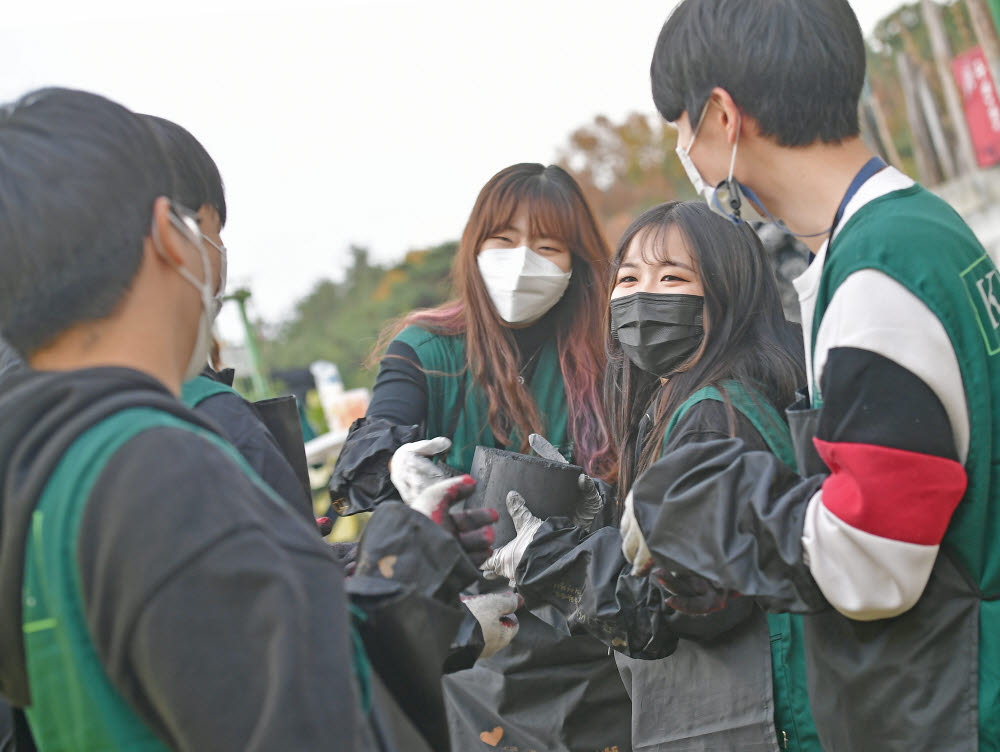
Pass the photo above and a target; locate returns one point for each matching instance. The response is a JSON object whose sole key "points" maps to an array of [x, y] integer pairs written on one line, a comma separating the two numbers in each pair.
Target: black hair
{"points": [[78, 178], [197, 181], [796, 66], [747, 339]]}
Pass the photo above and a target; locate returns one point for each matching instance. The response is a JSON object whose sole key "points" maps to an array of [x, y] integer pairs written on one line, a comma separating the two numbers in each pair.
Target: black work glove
{"points": [[690, 593]]}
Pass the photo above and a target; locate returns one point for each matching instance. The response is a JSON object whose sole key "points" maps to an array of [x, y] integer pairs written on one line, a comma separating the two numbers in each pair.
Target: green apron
{"points": [[548, 690], [914, 238], [457, 408]]}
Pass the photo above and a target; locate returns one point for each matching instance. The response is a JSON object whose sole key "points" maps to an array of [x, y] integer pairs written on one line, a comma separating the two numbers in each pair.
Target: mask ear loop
{"points": [[735, 202], [701, 119], [193, 236], [736, 189], [224, 264]]}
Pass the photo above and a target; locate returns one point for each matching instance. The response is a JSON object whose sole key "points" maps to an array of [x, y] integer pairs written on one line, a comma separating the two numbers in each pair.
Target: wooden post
{"points": [[923, 153], [942, 58], [882, 127], [958, 18], [986, 35], [934, 127]]}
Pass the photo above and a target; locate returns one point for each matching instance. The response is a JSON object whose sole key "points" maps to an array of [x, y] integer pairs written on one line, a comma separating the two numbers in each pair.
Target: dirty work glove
{"points": [[505, 559], [495, 614], [325, 525], [591, 501], [411, 469], [690, 593], [473, 528], [633, 542]]}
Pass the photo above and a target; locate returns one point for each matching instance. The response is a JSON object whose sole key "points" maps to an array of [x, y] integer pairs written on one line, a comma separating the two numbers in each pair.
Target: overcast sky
{"points": [[373, 122]]}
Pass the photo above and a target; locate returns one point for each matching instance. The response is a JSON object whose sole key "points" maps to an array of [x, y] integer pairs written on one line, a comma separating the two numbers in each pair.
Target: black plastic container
{"points": [[549, 488]]}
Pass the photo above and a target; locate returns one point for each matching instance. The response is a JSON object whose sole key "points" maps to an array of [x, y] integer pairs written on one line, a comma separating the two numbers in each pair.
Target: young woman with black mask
{"points": [[699, 348]]}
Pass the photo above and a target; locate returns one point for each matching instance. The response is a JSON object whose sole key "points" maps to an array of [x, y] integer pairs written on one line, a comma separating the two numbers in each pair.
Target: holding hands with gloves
{"points": [[591, 500], [633, 541], [686, 592], [505, 559], [495, 614], [426, 488]]}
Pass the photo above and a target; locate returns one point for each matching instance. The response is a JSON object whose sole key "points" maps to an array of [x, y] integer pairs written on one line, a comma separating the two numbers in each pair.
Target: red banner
{"points": [[982, 106]]}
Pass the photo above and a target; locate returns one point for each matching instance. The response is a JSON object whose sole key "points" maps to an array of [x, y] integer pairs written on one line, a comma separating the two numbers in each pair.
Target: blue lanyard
{"points": [[871, 167]]}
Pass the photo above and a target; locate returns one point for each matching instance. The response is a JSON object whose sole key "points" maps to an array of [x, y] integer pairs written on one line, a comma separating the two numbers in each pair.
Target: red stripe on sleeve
{"points": [[891, 493]]}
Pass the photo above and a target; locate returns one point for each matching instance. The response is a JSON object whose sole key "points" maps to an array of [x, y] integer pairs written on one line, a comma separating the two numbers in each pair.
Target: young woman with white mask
{"points": [[518, 350]]}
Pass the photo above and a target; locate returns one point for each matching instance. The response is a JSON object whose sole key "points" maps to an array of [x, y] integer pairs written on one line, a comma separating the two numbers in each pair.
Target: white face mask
{"points": [[722, 198], [522, 284], [684, 155], [211, 299]]}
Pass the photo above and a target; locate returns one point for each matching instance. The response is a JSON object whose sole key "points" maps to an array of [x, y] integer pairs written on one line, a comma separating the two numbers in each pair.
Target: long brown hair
{"points": [[747, 339], [557, 209]]}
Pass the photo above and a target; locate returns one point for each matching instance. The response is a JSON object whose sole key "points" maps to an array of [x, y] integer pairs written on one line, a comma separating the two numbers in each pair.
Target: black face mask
{"points": [[658, 331]]}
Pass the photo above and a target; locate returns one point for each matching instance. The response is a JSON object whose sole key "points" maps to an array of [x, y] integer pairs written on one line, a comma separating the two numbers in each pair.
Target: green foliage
{"points": [[341, 321]]}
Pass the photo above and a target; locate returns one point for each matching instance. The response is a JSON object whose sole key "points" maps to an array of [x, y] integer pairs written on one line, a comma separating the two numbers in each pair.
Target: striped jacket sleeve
{"points": [[894, 431]]}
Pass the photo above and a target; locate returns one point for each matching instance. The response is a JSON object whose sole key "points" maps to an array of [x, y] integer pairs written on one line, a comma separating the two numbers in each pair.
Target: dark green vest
{"points": [[792, 717], [74, 705], [457, 408], [200, 388]]}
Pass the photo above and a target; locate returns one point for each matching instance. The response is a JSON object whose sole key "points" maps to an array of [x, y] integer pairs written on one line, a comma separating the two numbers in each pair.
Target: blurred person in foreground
{"points": [[154, 591], [199, 188]]}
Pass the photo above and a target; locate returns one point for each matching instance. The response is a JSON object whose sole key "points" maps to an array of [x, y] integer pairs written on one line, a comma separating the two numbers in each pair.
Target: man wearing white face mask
{"points": [[162, 577], [198, 187]]}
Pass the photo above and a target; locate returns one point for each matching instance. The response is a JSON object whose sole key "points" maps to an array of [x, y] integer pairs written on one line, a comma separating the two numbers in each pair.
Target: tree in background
{"points": [[625, 168], [340, 321]]}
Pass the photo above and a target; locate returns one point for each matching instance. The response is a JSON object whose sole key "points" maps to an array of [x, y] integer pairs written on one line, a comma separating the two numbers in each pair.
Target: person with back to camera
{"points": [[155, 592], [890, 545], [518, 351], [699, 349], [198, 187]]}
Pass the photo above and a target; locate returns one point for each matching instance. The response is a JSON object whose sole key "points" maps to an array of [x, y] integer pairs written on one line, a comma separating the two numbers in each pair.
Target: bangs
{"points": [[653, 238], [549, 208], [654, 242], [551, 216]]}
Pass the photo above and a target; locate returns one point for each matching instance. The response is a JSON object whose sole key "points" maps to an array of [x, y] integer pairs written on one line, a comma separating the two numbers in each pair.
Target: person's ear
{"points": [[167, 242], [728, 112]]}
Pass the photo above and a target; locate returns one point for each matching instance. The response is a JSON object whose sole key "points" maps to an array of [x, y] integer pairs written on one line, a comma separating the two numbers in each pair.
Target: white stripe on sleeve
{"points": [[863, 576]]}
